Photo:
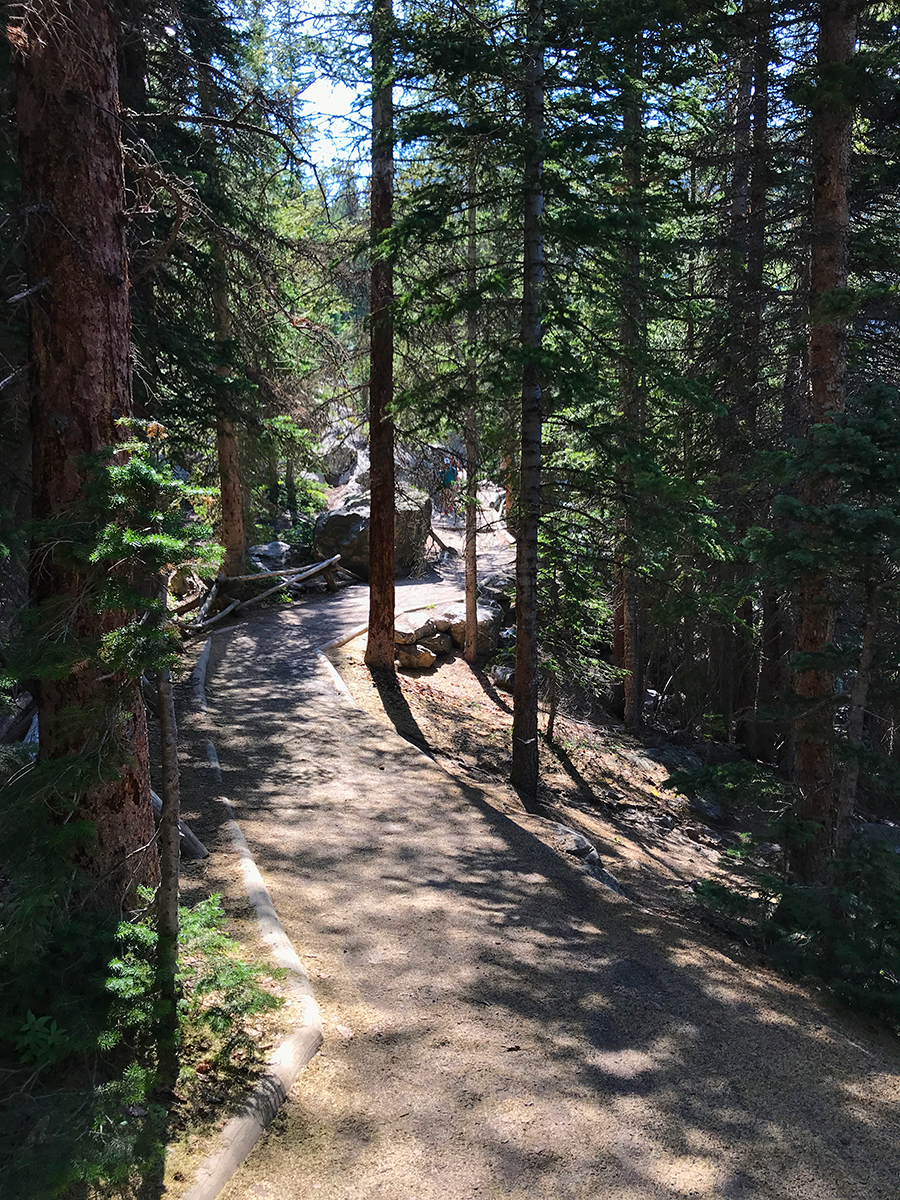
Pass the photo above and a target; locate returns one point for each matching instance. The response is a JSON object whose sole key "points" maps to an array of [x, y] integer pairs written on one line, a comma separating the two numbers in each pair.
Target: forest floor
{"points": [[500, 1024]]}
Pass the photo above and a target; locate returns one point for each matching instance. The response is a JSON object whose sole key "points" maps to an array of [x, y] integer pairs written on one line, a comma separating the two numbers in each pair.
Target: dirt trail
{"points": [[498, 1024]]}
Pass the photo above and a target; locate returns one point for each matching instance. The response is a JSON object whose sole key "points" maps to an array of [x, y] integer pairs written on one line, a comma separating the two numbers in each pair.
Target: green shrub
{"points": [[734, 785], [92, 1026]]}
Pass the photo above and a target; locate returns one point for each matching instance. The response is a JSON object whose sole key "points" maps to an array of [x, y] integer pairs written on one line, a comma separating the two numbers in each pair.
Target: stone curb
{"points": [[244, 1130]]}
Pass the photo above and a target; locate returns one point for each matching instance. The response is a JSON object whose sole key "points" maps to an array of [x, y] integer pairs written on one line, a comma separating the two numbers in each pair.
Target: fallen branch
{"points": [[191, 846], [187, 605], [14, 727], [319, 569], [212, 620], [210, 596], [288, 572]]}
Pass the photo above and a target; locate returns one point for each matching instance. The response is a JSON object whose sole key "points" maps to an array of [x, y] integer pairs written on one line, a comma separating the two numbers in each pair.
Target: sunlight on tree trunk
{"points": [[380, 642]]}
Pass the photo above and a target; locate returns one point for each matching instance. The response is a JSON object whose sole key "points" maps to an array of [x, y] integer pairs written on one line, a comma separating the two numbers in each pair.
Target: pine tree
{"points": [[73, 186]]}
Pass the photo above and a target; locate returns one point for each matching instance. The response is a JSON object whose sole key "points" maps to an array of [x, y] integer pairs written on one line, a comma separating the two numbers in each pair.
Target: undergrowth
{"points": [[84, 1110], [844, 933]]}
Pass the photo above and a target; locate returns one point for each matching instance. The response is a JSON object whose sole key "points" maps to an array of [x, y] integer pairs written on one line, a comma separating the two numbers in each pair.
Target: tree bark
{"points": [[856, 718], [525, 700], [231, 526], [832, 128], [470, 650], [380, 642], [70, 155]]}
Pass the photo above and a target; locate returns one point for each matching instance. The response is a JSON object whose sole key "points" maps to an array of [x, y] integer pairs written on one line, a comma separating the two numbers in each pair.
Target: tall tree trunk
{"points": [[231, 498], [231, 527], [627, 641], [832, 127], [290, 487], [380, 642], [470, 650], [525, 699], [73, 192]]}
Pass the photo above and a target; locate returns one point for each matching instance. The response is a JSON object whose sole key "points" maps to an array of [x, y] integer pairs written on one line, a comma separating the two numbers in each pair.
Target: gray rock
{"points": [[438, 643], [887, 833], [504, 677], [710, 810], [345, 531], [407, 631], [338, 457], [575, 843], [415, 658], [271, 556], [609, 880], [488, 616]]}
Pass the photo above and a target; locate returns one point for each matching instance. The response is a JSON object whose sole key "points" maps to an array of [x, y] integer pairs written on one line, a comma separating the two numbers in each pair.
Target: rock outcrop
{"points": [[345, 531]]}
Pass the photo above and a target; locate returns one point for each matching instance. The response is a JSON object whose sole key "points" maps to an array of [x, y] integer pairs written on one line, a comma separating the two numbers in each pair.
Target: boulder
{"points": [[271, 556], [345, 531], [576, 843], [495, 592], [407, 630], [438, 643], [415, 658], [709, 810], [488, 616], [504, 677], [338, 455], [885, 833]]}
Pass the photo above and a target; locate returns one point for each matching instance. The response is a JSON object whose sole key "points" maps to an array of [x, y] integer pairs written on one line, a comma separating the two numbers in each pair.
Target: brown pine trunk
{"points": [[231, 523], [470, 650], [380, 642], [832, 129], [771, 683], [73, 192], [231, 526], [525, 699], [167, 897]]}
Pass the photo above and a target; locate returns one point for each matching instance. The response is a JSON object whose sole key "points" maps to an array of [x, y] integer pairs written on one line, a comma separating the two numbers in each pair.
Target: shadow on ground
{"points": [[517, 1030]]}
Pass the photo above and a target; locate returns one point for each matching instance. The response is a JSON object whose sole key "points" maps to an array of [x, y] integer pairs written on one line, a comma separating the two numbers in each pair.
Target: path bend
{"points": [[497, 1023]]}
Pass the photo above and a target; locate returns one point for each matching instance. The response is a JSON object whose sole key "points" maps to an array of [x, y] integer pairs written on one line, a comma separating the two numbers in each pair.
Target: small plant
{"points": [[40, 1040]]}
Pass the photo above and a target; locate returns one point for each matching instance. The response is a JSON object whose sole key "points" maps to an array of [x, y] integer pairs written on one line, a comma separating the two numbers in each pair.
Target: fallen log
{"points": [[308, 573], [191, 846], [283, 574], [210, 596], [212, 620], [194, 602], [14, 727], [240, 605]]}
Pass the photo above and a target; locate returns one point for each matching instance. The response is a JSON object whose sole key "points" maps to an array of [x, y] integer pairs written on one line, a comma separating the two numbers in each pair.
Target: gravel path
{"points": [[497, 1023]]}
